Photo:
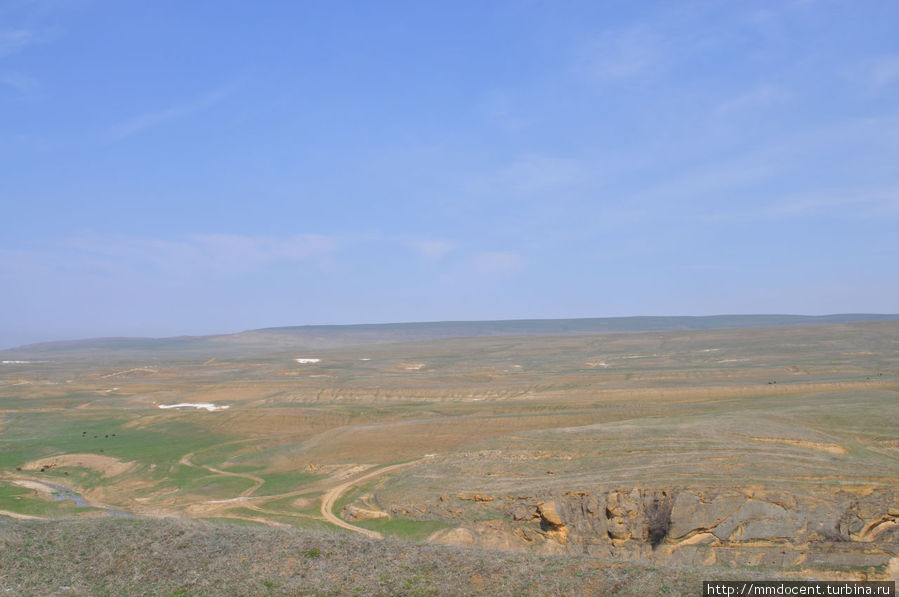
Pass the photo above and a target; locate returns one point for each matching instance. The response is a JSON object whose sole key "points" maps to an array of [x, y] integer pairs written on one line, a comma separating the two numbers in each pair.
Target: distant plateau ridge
{"points": [[323, 337]]}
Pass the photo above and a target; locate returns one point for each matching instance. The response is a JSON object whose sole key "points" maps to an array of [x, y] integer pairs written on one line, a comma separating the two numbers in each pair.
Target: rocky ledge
{"points": [[854, 534]]}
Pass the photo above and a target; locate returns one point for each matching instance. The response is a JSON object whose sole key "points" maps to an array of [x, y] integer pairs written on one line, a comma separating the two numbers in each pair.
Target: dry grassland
{"points": [[773, 447]]}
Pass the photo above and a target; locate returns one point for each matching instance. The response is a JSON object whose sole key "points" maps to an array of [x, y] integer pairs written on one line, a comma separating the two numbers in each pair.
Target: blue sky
{"points": [[173, 167]]}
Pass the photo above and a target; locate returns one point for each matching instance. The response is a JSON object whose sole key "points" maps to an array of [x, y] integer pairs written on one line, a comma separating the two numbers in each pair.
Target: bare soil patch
{"points": [[107, 465]]}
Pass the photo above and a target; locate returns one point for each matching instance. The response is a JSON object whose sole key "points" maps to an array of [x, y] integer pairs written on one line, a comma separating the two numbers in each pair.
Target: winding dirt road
{"points": [[257, 481], [333, 494]]}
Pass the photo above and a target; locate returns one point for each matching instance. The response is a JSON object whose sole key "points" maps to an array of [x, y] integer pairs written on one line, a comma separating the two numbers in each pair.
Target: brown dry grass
{"points": [[169, 557], [798, 409]]}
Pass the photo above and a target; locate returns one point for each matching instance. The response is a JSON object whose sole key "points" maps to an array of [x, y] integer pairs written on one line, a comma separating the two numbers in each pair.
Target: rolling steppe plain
{"points": [[771, 451]]}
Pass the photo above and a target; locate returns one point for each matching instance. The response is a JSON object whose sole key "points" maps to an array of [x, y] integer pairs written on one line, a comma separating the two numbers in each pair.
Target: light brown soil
{"points": [[107, 465], [19, 516]]}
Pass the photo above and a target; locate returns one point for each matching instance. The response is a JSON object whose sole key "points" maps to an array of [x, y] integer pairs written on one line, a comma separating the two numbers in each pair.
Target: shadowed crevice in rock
{"points": [[658, 518]]}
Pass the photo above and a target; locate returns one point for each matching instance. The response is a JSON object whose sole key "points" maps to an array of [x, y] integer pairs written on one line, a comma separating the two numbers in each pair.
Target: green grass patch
{"points": [[203, 482], [348, 497], [28, 502], [414, 530], [29, 436], [276, 483], [240, 468], [245, 513]]}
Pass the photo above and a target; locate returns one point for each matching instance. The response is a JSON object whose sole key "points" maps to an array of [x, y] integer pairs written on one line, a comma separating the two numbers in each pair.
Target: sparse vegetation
{"points": [[312, 553], [171, 557], [487, 430]]}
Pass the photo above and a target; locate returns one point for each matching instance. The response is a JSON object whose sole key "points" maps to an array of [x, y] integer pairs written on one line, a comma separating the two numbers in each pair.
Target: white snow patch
{"points": [[710, 350], [20, 362], [207, 405], [365, 359], [307, 360]]}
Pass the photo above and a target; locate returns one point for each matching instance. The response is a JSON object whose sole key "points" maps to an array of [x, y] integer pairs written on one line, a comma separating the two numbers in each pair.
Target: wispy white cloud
{"points": [[883, 71], [196, 255], [655, 43], [153, 119], [863, 203], [620, 54], [15, 40], [714, 178], [536, 172], [18, 81], [762, 96], [720, 187], [847, 204], [499, 107], [232, 253], [227, 253], [497, 262], [432, 249]]}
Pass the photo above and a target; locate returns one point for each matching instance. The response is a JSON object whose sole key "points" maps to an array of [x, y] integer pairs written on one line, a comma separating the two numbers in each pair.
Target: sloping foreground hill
{"points": [[317, 337], [109, 556]]}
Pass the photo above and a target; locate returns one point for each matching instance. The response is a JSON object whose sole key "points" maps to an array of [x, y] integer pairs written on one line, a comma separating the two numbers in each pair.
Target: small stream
{"points": [[62, 494]]}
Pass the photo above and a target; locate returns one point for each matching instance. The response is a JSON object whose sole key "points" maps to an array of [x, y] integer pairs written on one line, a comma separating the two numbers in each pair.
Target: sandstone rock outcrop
{"points": [[356, 513], [840, 531], [552, 523]]}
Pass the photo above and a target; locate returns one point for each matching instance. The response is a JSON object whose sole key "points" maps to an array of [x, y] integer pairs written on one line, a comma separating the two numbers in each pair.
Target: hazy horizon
{"points": [[189, 169], [851, 317]]}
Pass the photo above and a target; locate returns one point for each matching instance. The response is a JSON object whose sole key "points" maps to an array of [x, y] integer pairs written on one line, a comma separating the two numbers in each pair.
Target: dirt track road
{"points": [[332, 495], [257, 481]]}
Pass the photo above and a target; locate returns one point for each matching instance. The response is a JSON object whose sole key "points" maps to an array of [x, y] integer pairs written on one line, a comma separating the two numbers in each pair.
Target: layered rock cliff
{"points": [[856, 532]]}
